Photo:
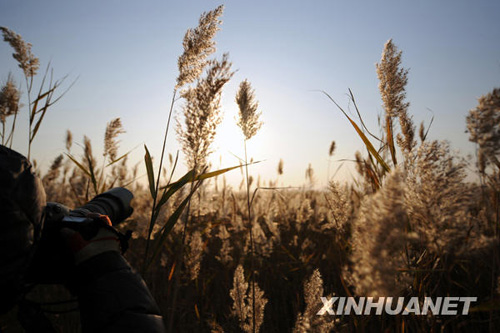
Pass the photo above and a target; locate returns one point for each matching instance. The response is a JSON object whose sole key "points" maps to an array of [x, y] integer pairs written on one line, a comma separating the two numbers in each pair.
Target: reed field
{"points": [[258, 258]]}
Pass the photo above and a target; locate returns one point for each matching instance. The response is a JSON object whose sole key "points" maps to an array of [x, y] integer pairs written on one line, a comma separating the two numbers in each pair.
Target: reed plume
{"points": [[113, 129], [483, 125], [242, 303], [331, 150], [340, 206], [198, 45], [280, 167], [421, 132], [248, 116], [194, 255], [309, 321], [88, 158], [438, 200], [202, 113], [379, 239], [68, 140], [309, 174], [393, 79], [26, 60], [9, 105], [54, 171]]}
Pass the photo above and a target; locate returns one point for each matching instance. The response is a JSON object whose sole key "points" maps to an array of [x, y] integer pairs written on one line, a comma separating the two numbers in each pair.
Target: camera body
{"points": [[52, 261]]}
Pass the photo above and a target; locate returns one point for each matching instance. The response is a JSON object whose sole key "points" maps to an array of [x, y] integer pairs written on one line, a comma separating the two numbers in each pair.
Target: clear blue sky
{"points": [[125, 55]]}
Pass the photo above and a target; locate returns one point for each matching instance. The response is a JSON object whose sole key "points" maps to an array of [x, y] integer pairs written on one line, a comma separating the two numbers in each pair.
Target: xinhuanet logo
{"points": [[396, 306]]}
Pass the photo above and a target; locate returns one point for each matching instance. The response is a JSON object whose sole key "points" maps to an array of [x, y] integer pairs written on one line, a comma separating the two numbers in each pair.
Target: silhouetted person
{"points": [[112, 296]]}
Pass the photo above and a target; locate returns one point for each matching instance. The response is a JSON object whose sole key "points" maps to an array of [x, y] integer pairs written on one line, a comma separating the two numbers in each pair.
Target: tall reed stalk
{"points": [[198, 45], [249, 123]]}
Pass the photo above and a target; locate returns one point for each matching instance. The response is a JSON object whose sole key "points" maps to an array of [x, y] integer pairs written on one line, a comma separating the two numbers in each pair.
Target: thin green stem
{"points": [[157, 185], [251, 238], [180, 257]]}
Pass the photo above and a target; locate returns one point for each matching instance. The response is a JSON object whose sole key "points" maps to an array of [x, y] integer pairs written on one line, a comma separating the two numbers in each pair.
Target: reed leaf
{"points": [[38, 123], [92, 172], [165, 231], [35, 106], [390, 140], [170, 189], [149, 169], [78, 164], [216, 173], [119, 158], [362, 135]]}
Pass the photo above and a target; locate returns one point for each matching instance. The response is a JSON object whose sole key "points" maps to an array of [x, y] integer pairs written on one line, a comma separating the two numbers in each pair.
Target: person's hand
{"points": [[83, 249]]}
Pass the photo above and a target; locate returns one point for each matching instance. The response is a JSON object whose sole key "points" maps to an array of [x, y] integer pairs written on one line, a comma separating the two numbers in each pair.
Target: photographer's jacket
{"points": [[113, 298]]}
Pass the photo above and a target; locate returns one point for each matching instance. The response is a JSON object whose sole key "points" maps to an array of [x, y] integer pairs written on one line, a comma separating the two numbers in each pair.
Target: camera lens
{"points": [[115, 203]]}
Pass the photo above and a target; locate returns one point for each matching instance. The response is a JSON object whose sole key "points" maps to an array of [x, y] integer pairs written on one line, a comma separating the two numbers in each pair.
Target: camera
{"points": [[51, 261]]}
